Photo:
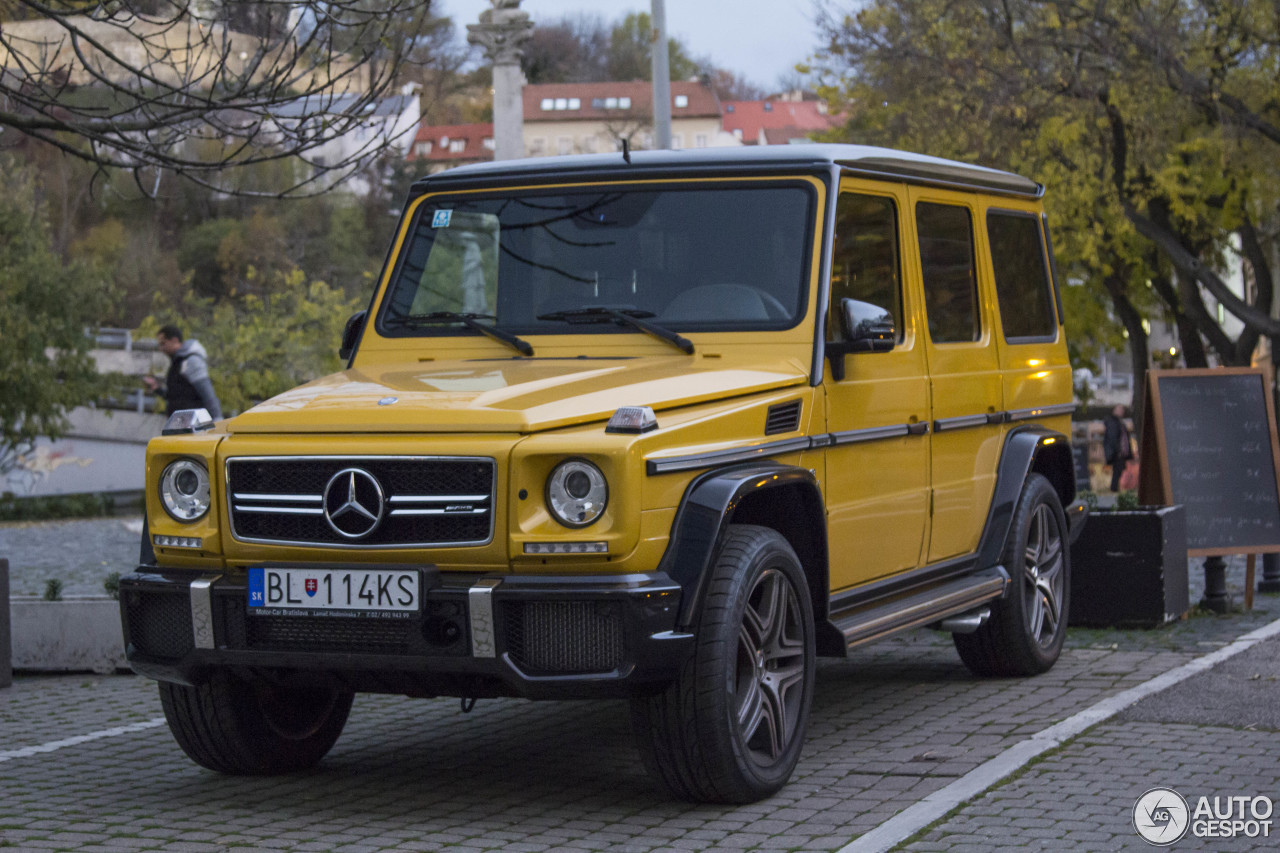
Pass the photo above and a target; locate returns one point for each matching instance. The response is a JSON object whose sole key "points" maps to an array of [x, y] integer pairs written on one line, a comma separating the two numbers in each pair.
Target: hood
{"points": [[508, 395]]}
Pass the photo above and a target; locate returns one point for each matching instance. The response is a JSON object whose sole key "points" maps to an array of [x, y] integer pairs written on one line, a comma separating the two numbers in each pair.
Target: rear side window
{"points": [[1022, 280], [950, 281], [865, 261]]}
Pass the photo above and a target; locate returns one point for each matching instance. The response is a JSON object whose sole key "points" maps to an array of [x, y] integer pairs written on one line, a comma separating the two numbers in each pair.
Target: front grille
{"points": [[160, 624], [559, 637], [424, 501], [328, 634]]}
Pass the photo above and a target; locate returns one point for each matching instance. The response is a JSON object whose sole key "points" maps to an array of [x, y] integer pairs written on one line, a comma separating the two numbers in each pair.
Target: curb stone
{"points": [[67, 636]]}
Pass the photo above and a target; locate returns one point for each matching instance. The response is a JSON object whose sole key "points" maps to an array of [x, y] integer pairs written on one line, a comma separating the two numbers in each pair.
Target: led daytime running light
{"points": [[177, 541], [566, 547]]}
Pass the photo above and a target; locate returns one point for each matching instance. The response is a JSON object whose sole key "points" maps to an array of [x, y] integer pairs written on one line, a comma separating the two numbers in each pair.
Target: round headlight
{"points": [[184, 490], [576, 493]]}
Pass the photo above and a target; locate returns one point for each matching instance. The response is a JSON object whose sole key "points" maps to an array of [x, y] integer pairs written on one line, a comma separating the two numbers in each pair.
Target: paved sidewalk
{"points": [[1212, 736], [80, 553], [896, 722]]}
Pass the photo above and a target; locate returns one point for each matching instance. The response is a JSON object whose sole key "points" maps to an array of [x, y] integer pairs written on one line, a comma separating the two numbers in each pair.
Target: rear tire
{"points": [[1027, 627], [731, 727], [252, 728]]}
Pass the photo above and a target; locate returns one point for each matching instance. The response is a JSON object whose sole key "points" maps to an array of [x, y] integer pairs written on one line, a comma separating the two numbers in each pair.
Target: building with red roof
{"points": [[581, 118], [444, 146], [777, 121], [585, 118]]}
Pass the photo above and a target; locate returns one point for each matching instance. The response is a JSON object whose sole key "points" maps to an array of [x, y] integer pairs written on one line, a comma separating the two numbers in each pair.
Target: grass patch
{"points": [[52, 590], [45, 507]]}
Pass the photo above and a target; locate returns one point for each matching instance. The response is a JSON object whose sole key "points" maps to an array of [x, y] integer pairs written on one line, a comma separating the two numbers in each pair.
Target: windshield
{"points": [[706, 258]]}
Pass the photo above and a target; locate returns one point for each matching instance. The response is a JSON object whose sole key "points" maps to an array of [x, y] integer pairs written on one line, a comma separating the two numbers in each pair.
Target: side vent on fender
{"points": [[784, 417]]}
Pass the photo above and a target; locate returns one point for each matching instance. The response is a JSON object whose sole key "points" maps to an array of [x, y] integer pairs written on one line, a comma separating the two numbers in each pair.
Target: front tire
{"points": [[731, 727], [253, 728], [1027, 627]]}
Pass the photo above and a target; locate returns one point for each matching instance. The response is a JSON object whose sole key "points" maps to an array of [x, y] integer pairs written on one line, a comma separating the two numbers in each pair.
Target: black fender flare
{"points": [[708, 508], [1026, 449]]}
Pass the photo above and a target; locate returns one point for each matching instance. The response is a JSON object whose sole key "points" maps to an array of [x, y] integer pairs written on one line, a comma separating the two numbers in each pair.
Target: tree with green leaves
{"points": [[263, 343], [630, 45], [45, 366], [1151, 123], [584, 49]]}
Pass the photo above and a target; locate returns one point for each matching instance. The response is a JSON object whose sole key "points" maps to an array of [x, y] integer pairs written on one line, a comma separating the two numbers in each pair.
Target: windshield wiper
{"points": [[633, 317], [469, 320]]}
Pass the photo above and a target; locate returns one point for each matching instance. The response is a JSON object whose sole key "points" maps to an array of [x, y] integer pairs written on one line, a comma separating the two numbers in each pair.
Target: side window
{"points": [[1022, 280], [865, 260], [950, 280]]}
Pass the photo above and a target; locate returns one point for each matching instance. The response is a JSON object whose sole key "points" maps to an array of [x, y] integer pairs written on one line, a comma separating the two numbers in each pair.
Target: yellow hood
{"points": [[517, 395]]}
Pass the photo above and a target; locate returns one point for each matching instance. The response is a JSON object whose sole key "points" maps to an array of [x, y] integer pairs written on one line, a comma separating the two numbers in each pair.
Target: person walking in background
{"points": [[1117, 444], [187, 384]]}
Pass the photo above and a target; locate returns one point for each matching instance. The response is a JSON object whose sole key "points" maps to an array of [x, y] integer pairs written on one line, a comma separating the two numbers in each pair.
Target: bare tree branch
{"points": [[1191, 266], [201, 88]]}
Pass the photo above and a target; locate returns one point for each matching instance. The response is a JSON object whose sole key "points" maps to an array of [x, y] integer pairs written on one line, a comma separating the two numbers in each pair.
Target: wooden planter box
{"points": [[1129, 569]]}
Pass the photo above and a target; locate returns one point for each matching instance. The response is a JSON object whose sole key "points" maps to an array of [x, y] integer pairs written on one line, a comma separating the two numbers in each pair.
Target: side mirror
{"points": [[866, 328], [869, 327], [351, 334]]}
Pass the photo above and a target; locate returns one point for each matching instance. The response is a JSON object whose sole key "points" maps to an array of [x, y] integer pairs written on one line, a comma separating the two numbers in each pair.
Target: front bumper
{"points": [[538, 637]]}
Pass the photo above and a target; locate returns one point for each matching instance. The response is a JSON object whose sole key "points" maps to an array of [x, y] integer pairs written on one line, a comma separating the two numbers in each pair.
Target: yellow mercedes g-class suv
{"points": [[662, 425]]}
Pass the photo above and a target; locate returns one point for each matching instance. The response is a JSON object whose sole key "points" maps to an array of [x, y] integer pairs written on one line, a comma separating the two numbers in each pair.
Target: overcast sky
{"points": [[760, 40]]}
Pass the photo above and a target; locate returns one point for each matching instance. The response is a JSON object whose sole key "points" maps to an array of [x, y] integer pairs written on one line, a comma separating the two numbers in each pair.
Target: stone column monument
{"points": [[501, 32]]}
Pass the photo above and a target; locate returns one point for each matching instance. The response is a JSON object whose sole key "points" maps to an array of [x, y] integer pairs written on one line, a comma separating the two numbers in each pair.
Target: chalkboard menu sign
{"points": [[1213, 433]]}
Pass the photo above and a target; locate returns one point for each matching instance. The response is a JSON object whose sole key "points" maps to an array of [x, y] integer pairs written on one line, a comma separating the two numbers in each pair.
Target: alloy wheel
{"points": [[1043, 576], [770, 669]]}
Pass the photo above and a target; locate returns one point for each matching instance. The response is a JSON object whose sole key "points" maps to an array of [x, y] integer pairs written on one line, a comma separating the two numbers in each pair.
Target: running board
{"points": [[871, 622]]}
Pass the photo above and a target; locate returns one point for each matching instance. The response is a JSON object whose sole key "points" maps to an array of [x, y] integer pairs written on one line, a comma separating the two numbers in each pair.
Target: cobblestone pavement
{"points": [[889, 727], [80, 553], [894, 723]]}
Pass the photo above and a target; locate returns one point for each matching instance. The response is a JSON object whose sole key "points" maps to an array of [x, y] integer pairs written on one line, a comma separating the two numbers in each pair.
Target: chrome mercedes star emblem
{"points": [[353, 503]]}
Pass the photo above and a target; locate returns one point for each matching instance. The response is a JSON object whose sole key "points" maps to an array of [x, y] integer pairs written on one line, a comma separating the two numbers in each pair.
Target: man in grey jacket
{"points": [[187, 384]]}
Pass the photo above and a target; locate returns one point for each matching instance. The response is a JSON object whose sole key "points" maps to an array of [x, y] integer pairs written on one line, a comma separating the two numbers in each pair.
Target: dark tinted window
{"points": [[950, 282], [865, 261], [1022, 282]]}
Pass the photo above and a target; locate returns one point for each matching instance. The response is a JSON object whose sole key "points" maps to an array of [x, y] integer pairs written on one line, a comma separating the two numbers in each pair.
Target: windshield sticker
{"points": [[441, 218]]}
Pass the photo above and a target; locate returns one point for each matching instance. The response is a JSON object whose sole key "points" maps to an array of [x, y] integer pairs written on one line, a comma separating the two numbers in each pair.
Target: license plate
{"points": [[351, 591]]}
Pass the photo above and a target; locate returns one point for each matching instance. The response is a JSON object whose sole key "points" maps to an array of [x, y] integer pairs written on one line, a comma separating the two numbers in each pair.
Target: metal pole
{"points": [[661, 77], [1216, 596], [1270, 581], [6, 645]]}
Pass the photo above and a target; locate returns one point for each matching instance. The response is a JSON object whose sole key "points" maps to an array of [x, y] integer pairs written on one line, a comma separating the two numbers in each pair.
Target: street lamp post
{"points": [[661, 77]]}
